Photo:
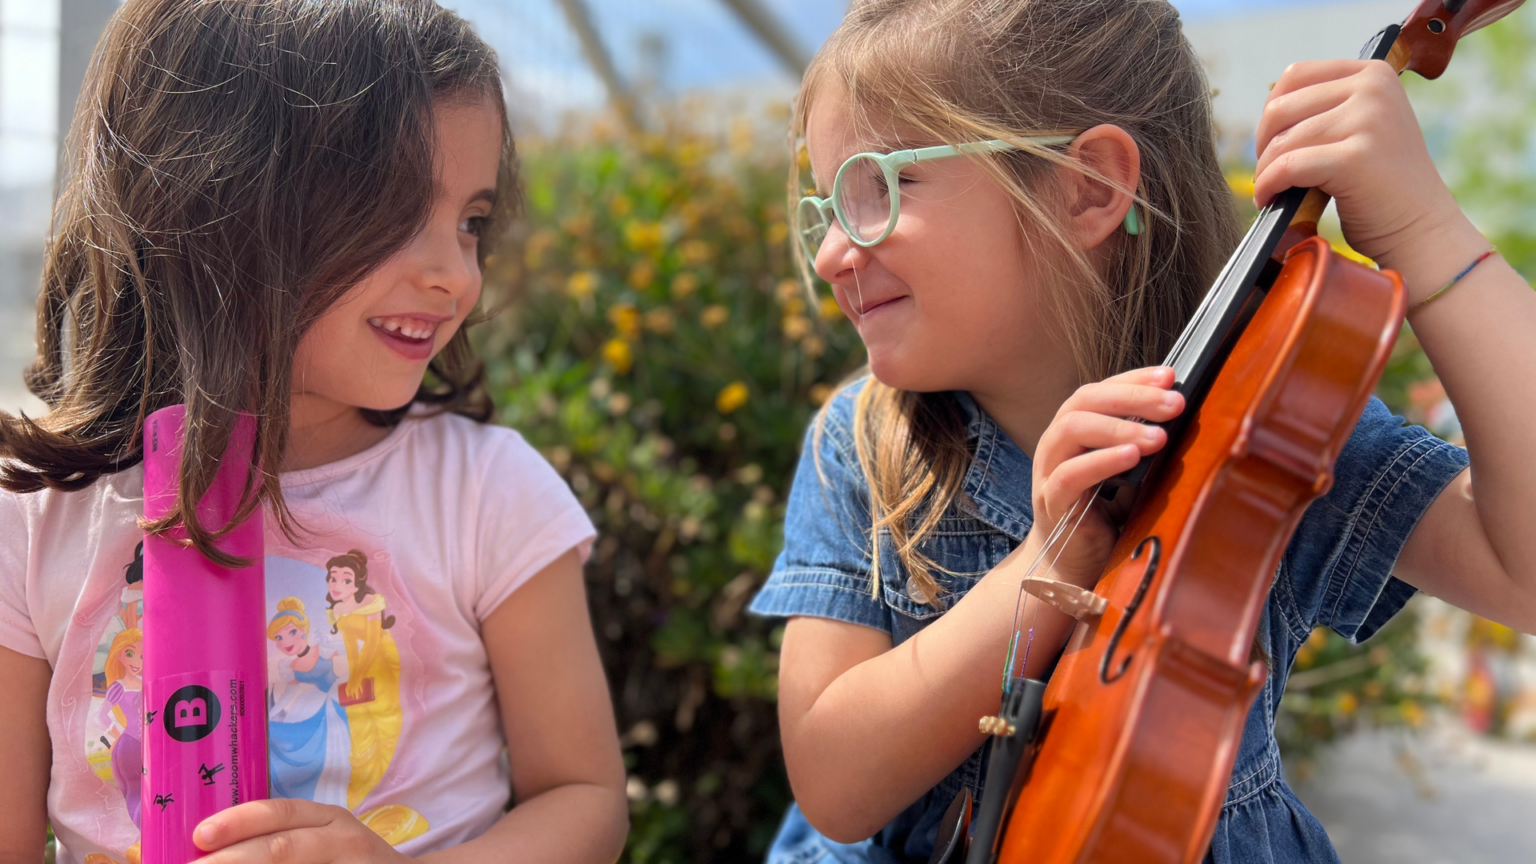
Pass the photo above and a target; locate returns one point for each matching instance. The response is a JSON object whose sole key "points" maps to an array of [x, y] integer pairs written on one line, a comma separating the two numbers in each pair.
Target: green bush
{"points": [[661, 354]]}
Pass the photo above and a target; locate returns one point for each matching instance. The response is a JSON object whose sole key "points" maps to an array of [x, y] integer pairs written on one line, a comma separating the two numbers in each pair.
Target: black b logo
{"points": [[191, 713]]}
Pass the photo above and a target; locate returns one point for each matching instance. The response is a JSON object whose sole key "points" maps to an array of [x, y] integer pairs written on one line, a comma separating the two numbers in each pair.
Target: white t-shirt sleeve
{"points": [[528, 518], [16, 629]]}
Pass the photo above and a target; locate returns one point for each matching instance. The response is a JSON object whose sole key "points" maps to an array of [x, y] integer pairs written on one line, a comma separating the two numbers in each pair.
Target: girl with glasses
{"points": [[1018, 204]]}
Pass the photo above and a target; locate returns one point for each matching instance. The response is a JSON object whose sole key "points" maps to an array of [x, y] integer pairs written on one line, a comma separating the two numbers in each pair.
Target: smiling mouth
{"points": [[883, 303], [406, 329]]}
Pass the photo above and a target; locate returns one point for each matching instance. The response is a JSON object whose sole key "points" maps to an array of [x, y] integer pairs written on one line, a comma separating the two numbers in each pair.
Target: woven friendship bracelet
{"points": [[1447, 286]]}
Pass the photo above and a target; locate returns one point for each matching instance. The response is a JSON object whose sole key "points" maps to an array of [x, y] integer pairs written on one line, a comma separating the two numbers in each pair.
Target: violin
{"points": [[1127, 753]]}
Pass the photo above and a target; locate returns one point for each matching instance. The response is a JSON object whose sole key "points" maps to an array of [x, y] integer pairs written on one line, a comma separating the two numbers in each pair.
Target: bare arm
{"points": [[1478, 551], [567, 771], [1347, 127], [868, 728], [27, 754]]}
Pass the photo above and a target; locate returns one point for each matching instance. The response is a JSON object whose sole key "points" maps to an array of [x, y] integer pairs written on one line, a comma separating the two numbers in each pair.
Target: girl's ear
{"points": [[1101, 197]]}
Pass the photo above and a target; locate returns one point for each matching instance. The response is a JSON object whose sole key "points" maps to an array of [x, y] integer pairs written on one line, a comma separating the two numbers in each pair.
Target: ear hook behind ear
{"points": [[1132, 222]]}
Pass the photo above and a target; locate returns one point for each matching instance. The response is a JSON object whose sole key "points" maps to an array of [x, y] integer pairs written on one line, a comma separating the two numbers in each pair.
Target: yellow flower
{"points": [[787, 290], [581, 284], [577, 225], [820, 393], [796, 326], [659, 321], [626, 320], [1348, 703], [1240, 183], [1317, 639], [533, 253], [1343, 249], [777, 233], [616, 352], [1413, 714], [684, 284], [813, 346], [696, 252], [691, 153], [642, 275], [732, 397], [620, 206], [742, 138], [714, 316], [642, 235], [829, 309]]}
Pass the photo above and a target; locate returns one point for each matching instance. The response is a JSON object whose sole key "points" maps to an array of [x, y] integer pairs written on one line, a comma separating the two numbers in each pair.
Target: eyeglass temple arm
{"points": [[944, 151]]}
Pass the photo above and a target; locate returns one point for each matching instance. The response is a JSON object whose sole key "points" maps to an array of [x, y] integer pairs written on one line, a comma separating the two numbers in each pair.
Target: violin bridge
{"points": [[1078, 602], [997, 726]]}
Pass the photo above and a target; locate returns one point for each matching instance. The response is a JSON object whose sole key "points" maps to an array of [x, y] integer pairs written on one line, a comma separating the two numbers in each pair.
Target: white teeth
{"points": [[407, 327]]}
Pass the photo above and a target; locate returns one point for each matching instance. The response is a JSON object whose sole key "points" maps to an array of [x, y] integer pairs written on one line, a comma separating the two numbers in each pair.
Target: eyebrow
{"points": [[486, 195]]}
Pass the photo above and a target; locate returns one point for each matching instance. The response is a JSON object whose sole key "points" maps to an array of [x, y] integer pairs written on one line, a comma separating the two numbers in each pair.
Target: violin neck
{"points": [[1289, 219]]}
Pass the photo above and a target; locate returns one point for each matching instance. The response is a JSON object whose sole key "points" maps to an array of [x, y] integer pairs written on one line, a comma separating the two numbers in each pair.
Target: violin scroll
{"points": [[1430, 34]]}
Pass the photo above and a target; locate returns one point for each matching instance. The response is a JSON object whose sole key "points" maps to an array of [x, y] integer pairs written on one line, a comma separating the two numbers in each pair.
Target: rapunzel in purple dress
{"points": [[128, 749]]}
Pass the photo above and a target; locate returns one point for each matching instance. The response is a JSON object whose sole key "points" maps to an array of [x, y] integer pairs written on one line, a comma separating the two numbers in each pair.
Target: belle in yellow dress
{"points": [[371, 693]]}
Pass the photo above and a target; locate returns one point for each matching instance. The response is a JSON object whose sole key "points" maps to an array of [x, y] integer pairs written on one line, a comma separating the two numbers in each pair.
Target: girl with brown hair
{"points": [[1018, 204], [280, 208]]}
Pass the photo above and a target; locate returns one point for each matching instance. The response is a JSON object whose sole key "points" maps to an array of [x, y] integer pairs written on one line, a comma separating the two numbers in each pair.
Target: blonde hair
{"points": [[957, 71], [120, 643], [288, 609]]}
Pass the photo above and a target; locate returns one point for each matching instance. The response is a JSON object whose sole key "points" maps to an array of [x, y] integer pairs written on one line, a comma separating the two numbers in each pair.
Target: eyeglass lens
{"points": [[812, 227], [864, 199]]}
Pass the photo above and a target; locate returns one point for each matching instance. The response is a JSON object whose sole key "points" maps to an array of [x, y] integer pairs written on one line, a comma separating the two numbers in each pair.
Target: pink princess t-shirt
{"points": [[380, 697]]}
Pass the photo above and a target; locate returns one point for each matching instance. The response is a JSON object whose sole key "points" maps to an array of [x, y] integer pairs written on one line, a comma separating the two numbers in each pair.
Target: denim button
{"points": [[915, 592]]}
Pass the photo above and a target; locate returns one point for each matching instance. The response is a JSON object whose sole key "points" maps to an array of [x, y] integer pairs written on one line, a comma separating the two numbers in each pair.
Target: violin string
{"points": [[1060, 549], [1068, 525], [1018, 607]]}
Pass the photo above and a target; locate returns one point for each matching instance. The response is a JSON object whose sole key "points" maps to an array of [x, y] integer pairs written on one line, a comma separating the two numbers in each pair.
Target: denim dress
{"points": [[1337, 572]]}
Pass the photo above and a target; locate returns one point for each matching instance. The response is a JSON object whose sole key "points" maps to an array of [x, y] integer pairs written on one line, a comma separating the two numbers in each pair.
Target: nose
{"points": [[442, 262], [839, 256]]}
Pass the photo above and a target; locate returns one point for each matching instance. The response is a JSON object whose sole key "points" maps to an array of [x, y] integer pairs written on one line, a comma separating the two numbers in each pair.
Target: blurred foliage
{"points": [[1336, 687], [1480, 121], [660, 352]]}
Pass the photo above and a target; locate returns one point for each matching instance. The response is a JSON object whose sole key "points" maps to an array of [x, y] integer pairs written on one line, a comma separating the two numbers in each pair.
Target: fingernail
{"points": [[1130, 450], [1170, 399], [1150, 433], [205, 834]]}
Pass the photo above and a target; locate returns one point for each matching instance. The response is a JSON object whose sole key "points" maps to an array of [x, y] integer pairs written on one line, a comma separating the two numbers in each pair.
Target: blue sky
{"points": [[704, 44]]}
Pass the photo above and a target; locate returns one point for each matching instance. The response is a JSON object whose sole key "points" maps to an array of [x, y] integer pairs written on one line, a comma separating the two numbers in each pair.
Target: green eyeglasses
{"points": [[866, 194]]}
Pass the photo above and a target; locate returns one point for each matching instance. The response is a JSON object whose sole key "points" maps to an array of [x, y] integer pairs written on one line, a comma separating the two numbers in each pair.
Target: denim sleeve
{"points": [[1338, 568], [824, 570]]}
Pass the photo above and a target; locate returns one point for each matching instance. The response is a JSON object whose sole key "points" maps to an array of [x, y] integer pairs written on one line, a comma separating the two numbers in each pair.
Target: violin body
{"points": [[1142, 718]]}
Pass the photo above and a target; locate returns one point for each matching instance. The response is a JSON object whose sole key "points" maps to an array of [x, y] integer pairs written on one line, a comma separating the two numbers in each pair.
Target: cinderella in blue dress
{"points": [[309, 743]]}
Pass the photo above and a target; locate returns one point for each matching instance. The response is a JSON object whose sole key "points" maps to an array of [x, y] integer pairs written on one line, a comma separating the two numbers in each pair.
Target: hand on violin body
{"points": [[1346, 127], [1089, 441], [291, 831]]}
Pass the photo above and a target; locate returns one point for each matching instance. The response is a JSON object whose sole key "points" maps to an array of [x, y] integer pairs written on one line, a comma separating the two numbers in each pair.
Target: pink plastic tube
{"points": [[205, 718]]}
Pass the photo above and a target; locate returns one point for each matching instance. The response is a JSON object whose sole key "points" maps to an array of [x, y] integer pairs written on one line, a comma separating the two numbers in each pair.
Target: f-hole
{"points": [[1153, 547]]}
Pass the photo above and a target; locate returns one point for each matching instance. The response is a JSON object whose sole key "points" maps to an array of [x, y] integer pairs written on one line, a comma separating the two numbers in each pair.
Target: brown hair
{"points": [[958, 71], [233, 168], [357, 562]]}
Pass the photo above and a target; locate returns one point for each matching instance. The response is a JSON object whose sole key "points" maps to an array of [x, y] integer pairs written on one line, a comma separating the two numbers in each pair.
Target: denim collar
{"points": [[998, 482]]}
